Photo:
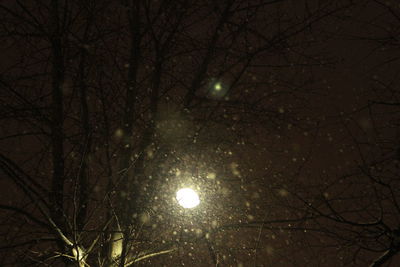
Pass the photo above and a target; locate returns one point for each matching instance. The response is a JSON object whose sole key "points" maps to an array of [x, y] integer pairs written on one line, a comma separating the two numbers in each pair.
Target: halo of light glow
{"points": [[218, 87], [187, 198]]}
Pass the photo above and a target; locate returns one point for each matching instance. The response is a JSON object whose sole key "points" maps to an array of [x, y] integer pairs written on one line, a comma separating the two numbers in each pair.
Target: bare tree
{"points": [[353, 204], [109, 107]]}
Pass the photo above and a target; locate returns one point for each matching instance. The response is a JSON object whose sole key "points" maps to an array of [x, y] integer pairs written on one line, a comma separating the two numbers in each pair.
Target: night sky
{"points": [[283, 116]]}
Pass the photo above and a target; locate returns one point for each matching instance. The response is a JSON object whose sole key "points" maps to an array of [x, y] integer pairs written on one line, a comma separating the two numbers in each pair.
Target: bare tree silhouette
{"points": [[109, 107]]}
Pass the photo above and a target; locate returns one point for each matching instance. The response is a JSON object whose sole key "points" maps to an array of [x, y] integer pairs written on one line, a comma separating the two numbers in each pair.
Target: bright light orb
{"points": [[187, 198], [218, 87]]}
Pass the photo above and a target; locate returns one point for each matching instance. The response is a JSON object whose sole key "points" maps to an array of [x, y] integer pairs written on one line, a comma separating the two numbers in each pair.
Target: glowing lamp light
{"points": [[187, 198]]}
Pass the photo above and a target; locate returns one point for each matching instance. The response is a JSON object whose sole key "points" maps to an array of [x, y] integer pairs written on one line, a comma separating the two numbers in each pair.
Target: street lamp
{"points": [[187, 198]]}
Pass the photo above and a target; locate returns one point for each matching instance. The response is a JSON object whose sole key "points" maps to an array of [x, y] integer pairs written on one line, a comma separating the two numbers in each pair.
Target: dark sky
{"points": [[296, 162]]}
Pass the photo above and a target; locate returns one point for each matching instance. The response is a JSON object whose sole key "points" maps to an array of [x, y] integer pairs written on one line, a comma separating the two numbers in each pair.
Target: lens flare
{"points": [[218, 87]]}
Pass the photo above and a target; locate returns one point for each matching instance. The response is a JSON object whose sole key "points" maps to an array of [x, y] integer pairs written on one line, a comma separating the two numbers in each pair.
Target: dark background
{"points": [[109, 107]]}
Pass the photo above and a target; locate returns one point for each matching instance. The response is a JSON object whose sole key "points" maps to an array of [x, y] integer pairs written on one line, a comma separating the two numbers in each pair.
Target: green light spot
{"points": [[218, 87]]}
